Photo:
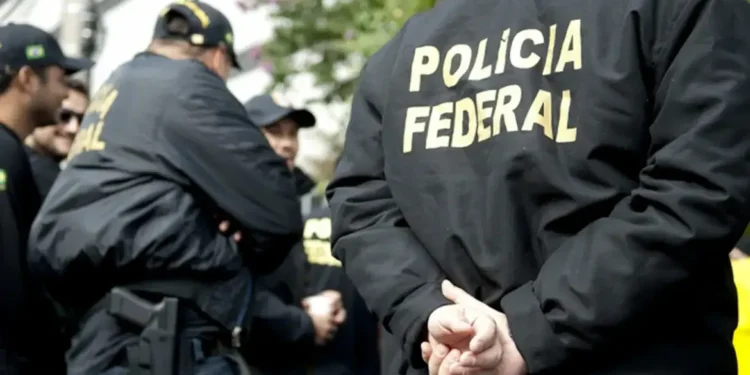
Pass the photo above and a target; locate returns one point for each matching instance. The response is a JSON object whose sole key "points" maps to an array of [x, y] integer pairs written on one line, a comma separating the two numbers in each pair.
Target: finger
{"points": [[456, 294], [224, 226], [426, 351], [439, 352], [486, 360], [237, 237], [449, 324], [485, 331], [333, 296], [338, 304], [340, 316], [450, 362]]}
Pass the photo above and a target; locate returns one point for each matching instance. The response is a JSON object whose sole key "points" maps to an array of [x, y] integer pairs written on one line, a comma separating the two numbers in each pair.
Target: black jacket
{"points": [[589, 185], [279, 323], [164, 147]]}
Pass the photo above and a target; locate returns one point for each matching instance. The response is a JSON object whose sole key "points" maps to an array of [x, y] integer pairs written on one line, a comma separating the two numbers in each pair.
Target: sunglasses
{"points": [[65, 116]]}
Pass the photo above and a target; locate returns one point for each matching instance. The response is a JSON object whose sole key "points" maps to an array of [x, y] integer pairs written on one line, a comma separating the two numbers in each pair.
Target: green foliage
{"points": [[332, 39]]}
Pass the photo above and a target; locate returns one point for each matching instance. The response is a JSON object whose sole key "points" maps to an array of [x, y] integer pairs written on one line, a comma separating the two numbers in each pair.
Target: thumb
{"points": [[449, 322], [454, 293]]}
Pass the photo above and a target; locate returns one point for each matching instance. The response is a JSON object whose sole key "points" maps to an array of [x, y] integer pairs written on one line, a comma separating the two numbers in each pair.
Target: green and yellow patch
{"points": [[3, 180]]}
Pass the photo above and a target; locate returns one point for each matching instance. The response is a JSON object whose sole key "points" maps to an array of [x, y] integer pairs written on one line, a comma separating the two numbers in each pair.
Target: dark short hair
{"points": [[78, 85], [6, 77], [177, 24], [179, 27]]}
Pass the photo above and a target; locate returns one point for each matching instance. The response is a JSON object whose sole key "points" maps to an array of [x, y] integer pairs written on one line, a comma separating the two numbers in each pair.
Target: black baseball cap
{"points": [[25, 45], [265, 110], [208, 27]]}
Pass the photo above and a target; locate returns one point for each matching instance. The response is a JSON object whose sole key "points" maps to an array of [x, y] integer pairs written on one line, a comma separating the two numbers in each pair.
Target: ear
{"points": [[26, 80], [217, 57], [220, 60], [212, 59]]}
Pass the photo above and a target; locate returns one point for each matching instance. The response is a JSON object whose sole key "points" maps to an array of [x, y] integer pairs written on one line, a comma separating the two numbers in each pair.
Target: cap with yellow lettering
{"points": [[25, 45], [207, 26]]}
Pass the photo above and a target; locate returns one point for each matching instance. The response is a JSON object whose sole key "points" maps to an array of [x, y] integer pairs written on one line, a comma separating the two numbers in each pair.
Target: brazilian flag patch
{"points": [[3, 180], [35, 52]]}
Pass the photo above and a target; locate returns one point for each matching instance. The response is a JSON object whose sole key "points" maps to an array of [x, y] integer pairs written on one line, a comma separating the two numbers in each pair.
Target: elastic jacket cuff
{"points": [[419, 305], [534, 338]]}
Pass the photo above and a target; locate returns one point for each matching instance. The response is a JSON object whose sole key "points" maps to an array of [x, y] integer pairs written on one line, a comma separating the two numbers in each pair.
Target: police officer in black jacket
{"points": [[33, 71], [354, 349], [130, 223], [281, 324], [578, 168]]}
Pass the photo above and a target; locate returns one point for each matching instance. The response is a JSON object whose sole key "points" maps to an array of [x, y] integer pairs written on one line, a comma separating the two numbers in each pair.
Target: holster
{"points": [[170, 341], [155, 353]]}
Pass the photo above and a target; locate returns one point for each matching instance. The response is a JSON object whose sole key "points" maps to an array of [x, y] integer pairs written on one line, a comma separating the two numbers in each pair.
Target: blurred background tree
{"points": [[331, 39]]}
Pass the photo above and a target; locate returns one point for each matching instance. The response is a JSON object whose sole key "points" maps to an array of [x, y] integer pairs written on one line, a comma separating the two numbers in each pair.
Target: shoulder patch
{"points": [[3, 180]]}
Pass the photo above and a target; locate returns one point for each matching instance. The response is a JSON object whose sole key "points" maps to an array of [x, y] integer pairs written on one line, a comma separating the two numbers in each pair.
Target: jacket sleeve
{"points": [[689, 209], [212, 141], [367, 351], [388, 265], [744, 244], [275, 321]]}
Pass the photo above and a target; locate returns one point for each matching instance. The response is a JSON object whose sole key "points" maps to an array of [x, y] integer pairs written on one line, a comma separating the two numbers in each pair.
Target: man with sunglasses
{"points": [[129, 228], [49, 145], [33, 73]]}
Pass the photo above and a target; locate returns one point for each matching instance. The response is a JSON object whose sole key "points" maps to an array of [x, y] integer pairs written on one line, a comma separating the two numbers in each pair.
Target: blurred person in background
{"points": [[33, 73], [741, 266], [169, 193], [49, 145], [285, 319], [354, 349]]}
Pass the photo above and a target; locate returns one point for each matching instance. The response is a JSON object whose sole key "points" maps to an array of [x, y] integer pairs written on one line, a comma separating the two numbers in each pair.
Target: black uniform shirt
{"points": [[18, 205], [25, 315], [580, 165]]}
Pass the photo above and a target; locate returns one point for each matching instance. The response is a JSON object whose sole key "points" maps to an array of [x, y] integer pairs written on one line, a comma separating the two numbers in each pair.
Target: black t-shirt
{"points": [[25, 316], [45, 170], [17, 209]]}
